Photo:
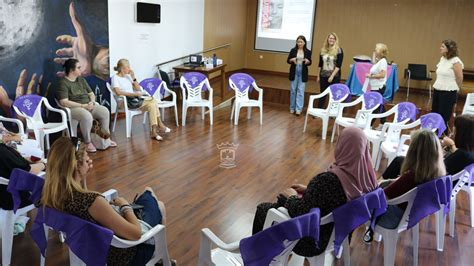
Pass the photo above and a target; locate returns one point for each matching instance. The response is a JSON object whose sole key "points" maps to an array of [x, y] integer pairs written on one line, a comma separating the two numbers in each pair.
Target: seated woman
{"points": [[125, 83], [10, 159], [350, 176], [68, 164], [423, 163], [460, 150], [28, 148], [74, 92]]}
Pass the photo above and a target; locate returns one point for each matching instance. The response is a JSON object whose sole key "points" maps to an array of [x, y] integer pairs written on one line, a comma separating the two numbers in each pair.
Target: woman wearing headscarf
{"points": [[350, 176]]}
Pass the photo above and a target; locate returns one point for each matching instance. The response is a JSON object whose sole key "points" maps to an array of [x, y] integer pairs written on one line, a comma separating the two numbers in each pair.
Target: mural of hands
{"points": [[93, 58]]}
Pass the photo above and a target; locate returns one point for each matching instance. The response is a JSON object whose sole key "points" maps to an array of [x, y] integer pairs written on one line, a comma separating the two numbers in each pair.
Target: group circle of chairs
{"points": [[388, 141]]}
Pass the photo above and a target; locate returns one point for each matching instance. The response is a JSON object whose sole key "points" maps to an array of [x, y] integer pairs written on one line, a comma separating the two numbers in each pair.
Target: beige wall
{"points": [[225, 21], [412, 29]]}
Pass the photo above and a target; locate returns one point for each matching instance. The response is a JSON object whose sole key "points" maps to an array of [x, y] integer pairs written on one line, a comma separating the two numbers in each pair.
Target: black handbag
{"points": [[134, 102]]}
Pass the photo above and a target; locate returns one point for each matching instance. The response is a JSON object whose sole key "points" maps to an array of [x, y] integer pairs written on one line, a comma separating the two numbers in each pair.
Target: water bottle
{"points": [[214, 60]]}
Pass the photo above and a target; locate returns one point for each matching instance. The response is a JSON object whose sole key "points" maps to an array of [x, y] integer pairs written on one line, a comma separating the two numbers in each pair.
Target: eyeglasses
{"points": [[76, 142]]}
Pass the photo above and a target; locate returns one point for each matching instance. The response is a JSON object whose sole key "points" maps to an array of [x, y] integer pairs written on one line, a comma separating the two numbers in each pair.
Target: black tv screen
{"points": [[148, 13]]}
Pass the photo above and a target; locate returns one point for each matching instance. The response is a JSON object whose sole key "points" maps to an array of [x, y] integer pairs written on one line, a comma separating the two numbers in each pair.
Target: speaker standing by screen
{"points": [[148, 13], [280, 21]]}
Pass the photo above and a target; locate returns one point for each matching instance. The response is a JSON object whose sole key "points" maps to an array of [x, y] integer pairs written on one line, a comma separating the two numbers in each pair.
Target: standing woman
{"points": [[448, 80], [299, 60], [378, 73], [330, 63]]}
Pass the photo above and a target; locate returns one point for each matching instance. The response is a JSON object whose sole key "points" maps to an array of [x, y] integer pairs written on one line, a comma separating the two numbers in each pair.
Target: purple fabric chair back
{"points": [[470, 170], [356, 212], [90, 242], [339, 91], [242, 81], [429, 197], [433, 121], [24, 181], [151, 85], [261, 248], [371, 99], [406, 110], [195, 79], [28, 104]]}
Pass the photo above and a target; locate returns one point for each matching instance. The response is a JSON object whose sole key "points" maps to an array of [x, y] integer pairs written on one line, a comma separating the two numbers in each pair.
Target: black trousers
{"points": [[381, 109], [323, 84], [443, 103]]}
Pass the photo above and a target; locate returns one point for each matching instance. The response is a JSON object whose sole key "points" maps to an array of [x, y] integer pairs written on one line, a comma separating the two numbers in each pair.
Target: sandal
{"points": [[166, 130], [90, 147], [113, 144]]}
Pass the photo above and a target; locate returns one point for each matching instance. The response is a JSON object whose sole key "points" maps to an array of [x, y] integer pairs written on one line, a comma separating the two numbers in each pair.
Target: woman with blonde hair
{"points": [[330, 63], [68, 165], [423, 163], [378, 73], [125, 83]]}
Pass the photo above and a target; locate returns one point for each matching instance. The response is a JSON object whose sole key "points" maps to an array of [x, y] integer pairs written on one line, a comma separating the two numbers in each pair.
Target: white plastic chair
{"points": [[361, 118], [154, 87], [7, 222], [73, 123], [28, 147], [281, 214], [121, 103], [333, 107], [464, 183], [158, 233], [390, 236], [29, 106], [192, 84], [242, 88], [469, 104], [376, 137]]}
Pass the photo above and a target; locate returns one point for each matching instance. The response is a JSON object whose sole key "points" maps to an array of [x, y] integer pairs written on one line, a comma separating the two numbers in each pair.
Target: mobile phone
{"points": [[137, 206]]}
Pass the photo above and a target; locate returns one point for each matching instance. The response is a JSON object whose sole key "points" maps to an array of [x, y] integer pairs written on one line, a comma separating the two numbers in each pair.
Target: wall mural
{"points": [[38, 36]]}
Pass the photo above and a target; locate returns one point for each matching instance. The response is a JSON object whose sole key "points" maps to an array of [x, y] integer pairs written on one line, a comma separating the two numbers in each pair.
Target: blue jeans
{"points": [[297, 90]]}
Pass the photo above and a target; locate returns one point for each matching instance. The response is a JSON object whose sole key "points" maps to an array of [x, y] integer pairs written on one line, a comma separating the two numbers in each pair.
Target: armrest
{"points": [[401, 142], [208, 234], [21, 130], [49, 107], [122, 243], [403, 198], [110, 194], [402, 125], [274, 215], [343, 105], [4, 181]]}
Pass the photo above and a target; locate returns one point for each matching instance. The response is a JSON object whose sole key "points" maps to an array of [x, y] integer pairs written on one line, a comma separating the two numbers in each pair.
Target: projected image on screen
{"points": [[279, 22]]}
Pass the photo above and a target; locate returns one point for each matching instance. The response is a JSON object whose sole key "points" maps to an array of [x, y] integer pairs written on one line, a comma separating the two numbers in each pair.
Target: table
{"points": [[206, 71], [356, 79]]}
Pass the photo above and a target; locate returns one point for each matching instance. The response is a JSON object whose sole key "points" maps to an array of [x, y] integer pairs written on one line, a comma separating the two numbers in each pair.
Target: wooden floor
{"points": [[184, 172]]}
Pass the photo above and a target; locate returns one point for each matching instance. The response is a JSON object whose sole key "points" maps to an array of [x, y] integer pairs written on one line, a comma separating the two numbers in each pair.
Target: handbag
{"points": [[134, 102], [99, 137]]}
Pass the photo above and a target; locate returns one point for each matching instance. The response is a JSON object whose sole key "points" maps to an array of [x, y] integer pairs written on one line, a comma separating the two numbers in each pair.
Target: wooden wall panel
{"points": [[412, 29], [225, 21]]}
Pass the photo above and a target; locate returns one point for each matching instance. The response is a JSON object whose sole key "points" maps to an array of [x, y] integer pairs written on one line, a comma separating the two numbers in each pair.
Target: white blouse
{"points": [[381, 65], [124, 83], [445, 78]]}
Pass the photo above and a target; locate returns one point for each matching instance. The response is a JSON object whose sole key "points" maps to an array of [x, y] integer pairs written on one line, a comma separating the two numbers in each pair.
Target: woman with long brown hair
{"points": [[330, 64], [68, 165]]}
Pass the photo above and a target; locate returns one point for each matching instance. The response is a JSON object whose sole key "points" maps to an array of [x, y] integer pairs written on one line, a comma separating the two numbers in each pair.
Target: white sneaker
{"points": [[292, 111], [166, 130], [158, 137]]}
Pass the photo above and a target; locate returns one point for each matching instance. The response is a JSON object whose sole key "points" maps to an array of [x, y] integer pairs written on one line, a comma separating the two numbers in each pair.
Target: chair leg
{"points": [[375, 151], [183, 114], [47, 141], [237, 113], [261, 115], [379, 159], [6, 226], [305, 122], [452, 217], [416, 239], [232, 111], [128, 122], [346, 252], [325, 128], [471, 204], [408, 89], [163, 113], [202, 112], [145, 114], [211, 115], [176, 115], [115, 120], [161, 250], [333, 131], [440, 229], [389, 248], [249, 112]]}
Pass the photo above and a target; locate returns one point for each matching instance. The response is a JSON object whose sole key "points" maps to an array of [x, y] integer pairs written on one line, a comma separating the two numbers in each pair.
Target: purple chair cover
{"points": [[470, 169], [28, 103], [242, 81], [356, 212], [24, 181], [371, 99], [406, 110], [338, 91], [195, 79], [150, 85], [428, 198], [262, 247], [90, 242], [433, 121]]}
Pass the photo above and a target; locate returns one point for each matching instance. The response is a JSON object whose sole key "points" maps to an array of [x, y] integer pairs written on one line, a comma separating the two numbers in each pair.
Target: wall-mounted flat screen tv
{"points": [[148, 13]]}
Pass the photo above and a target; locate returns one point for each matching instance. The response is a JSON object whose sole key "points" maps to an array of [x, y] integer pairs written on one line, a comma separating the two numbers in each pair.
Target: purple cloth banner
{"points": [[371, 99], [428, 199], [242, 81], [24, 181], [406, 110], [151, 85], [339, 91], [433, 121], [362, 69], [356, 212], [28, 104], [195, 79], [90, 242], [261, 248]]}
